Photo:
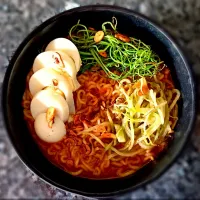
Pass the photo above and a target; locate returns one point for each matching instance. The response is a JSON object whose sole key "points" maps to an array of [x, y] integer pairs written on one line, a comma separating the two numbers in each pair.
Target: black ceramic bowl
{"points": [[129, 23]]}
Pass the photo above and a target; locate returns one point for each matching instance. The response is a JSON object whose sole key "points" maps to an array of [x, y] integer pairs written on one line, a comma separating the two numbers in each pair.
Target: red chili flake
{"points": [[57, 60], [103, 54]]}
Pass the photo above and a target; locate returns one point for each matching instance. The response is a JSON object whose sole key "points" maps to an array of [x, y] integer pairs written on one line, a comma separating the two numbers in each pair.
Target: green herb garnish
{"points": [[133, 58]]}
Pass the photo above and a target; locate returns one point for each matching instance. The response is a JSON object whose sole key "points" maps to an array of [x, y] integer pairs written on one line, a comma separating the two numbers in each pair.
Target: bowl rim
{"points": [[96, 7]]}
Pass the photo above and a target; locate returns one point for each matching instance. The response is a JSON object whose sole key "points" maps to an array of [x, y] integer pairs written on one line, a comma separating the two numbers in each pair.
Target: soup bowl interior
{"points": [[130, 24]]}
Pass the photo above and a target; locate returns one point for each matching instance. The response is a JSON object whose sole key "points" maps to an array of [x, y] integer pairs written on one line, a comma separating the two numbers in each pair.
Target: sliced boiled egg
{"points": [[48, 59], [48, 77], [49, 98], [66, 46], [47, 134]]}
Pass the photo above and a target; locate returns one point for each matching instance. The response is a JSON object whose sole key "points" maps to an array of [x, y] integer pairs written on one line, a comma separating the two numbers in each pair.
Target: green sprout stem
{"points": [[133, 58]]}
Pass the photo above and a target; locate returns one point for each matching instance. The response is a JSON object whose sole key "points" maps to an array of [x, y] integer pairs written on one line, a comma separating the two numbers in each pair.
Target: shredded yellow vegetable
{"points": [[145, 117]]}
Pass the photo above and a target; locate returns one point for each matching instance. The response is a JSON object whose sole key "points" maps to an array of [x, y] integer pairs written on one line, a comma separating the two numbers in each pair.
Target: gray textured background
{"points": [[180, 17]]}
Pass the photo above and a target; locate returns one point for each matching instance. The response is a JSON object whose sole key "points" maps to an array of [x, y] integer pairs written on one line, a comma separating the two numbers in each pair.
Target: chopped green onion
{"points": [[133, 58]]}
